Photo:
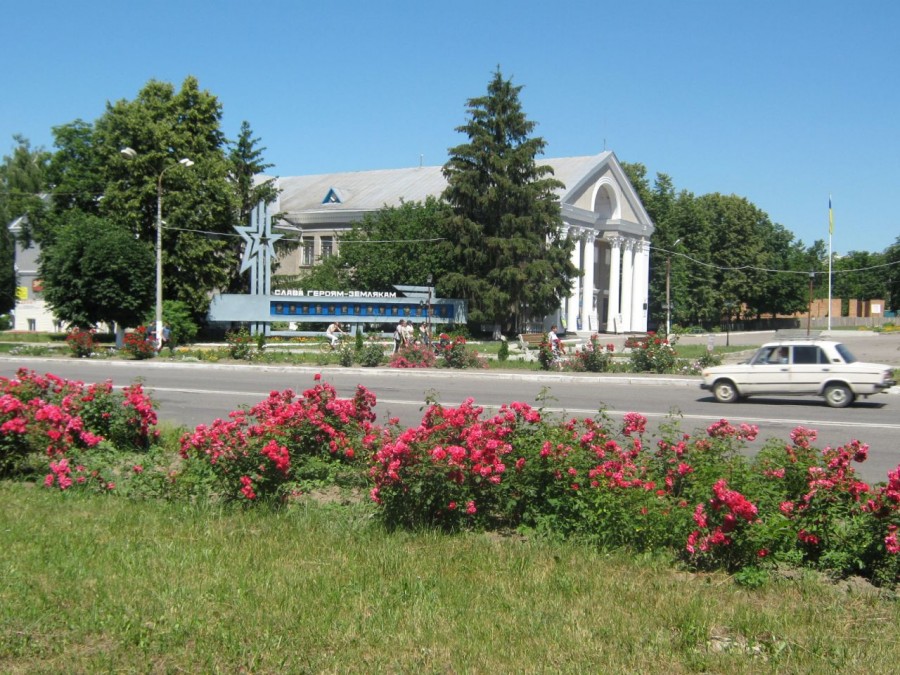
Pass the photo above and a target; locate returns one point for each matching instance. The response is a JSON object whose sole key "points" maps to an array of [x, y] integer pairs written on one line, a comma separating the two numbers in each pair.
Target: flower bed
{"points": [[593, 479]]}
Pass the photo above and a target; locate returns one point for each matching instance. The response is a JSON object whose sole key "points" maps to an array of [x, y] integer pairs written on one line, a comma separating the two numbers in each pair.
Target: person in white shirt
{"points": [[332, 333], [555, 343], [399, 335]]}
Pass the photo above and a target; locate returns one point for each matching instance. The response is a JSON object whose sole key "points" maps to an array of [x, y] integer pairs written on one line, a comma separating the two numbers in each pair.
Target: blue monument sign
{"points": [[262, 305]]}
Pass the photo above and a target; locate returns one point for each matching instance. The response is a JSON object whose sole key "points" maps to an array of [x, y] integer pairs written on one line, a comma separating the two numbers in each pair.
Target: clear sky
{"points": [[784, 102]]}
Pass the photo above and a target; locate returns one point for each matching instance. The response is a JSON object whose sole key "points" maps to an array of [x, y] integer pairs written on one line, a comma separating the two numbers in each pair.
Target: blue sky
{"points": [[784, 102]]}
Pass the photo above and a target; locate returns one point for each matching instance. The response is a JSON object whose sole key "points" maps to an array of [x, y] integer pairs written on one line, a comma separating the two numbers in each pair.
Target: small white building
{"points": [[600, 208], [31, 312]]}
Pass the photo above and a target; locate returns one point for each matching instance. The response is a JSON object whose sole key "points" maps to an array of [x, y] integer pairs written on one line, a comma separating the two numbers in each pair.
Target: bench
{"points": [[637, 340], [527, 340]]}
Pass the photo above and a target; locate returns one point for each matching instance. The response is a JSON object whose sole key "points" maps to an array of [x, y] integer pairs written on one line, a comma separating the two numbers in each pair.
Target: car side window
{"points": [[766, 355], [808, 354], [779, 355]]}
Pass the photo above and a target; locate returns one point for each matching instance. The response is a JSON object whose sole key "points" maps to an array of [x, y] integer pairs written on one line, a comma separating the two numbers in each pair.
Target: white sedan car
{"points": [[809, 367]]}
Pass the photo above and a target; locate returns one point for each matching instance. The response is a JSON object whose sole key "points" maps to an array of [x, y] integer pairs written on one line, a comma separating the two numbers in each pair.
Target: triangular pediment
{"points": [[603, 194], [333, 197]]}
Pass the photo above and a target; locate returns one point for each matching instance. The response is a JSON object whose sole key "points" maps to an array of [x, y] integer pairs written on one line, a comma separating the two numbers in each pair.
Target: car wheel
{"points": [[725, 391], [838, 396]]}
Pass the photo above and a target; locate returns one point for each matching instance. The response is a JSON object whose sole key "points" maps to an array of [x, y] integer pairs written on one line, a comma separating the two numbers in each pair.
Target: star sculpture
{"points": [[259, 250]]}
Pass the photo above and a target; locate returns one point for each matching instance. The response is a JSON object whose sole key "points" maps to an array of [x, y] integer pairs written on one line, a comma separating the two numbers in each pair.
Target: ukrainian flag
{"points": [[830, 217]]}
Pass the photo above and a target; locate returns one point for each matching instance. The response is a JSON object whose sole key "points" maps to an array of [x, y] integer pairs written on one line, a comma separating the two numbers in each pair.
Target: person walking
{"points": [[399, 335], [408, 334]]}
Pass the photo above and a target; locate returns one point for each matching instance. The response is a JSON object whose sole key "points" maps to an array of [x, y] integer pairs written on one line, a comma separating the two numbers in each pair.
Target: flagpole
{"points": [[830, 233]]}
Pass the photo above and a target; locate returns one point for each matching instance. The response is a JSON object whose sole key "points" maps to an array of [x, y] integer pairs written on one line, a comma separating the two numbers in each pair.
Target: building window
{"points": [[327, 247], [307, 251], [32, 325]]}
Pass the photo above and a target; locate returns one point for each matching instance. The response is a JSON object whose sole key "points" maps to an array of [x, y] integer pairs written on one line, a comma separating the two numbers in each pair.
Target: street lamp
{"points": [[729, 305], [131, 154], [428, 309], [668, 287], [812, 277]]}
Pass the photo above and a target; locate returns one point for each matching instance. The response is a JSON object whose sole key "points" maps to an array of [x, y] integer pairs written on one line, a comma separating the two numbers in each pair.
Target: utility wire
{"points": [[725, 268]]}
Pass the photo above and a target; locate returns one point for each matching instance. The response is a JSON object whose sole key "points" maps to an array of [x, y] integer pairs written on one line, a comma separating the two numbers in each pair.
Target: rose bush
{"points": [[281, 444], [45, 418], [699, 495], [140, 343]]}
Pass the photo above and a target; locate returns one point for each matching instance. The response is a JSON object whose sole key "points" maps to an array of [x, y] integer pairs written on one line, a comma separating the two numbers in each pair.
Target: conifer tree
{"points": [[512, 263]]}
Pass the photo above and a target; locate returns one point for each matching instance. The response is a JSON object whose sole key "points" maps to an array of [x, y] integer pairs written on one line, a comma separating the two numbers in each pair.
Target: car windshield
{"points": [[845, 353]]}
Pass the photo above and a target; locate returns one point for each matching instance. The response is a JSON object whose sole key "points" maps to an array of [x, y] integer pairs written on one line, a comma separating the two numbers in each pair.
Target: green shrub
{"points": [[594, 358], [240, 344], [346, 353], [457, 355], [372, 354], [177, 316], [655, 355], [503, 351]]}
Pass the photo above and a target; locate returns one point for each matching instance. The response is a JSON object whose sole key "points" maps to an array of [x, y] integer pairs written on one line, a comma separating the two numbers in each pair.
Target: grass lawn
{"points": [[104, 584]]}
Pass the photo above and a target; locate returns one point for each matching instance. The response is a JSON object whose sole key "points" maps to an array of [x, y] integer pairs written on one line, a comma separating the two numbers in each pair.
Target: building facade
{"points": [[31, 312], [601, 212], [600, 209]]}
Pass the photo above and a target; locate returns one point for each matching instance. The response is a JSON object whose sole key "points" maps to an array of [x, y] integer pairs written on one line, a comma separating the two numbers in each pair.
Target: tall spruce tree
{"points": [[512, 262], [246, 166]]}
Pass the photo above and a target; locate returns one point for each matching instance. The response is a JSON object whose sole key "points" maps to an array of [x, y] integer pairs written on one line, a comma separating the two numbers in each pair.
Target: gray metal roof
{"points": [[363, 191]]}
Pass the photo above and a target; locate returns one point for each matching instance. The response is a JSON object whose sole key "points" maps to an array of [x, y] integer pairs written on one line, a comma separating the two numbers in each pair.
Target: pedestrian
{"points": [[408, 334], [553, 339], [399, 335]]}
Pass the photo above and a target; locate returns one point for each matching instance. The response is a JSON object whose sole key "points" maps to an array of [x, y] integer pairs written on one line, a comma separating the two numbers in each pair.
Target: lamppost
{"points": [[668, 285], [184, 161], [812, 276], [729, 305], [428, 309]]}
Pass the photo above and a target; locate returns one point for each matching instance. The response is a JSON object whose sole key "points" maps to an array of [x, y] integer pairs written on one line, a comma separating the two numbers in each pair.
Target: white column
{"points": [[639, 290], [627, 285], [588, 311], [645, 285], [615, 257], [572, 302]]}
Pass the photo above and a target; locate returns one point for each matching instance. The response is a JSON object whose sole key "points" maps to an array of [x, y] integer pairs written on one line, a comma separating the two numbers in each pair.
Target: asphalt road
{"points": [[192, 394]]}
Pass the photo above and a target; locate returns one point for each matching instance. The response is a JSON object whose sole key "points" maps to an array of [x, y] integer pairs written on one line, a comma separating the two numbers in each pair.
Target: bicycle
{"points": [[326, 346]]}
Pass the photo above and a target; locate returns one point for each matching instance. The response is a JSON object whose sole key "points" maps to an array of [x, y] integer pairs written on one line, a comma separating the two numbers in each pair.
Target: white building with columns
{"points": [[600, 209]]}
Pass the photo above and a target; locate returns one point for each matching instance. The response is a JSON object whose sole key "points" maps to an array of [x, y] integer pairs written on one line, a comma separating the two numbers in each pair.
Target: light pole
{"points": [[812, 277], [184, 161], [428, 309], [668, 287], [729, 305]]}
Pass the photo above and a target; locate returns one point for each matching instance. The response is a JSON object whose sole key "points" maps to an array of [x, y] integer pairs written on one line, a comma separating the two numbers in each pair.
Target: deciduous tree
{"points": [[96, 271], [200, 203]]}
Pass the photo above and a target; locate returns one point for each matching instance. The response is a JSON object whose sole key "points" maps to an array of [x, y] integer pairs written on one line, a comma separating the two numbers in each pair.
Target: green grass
{"points": [[103, 584]]}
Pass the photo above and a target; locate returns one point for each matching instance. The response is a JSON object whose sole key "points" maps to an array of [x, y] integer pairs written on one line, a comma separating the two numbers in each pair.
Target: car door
{"points": [[809, 368], [770, 371]]}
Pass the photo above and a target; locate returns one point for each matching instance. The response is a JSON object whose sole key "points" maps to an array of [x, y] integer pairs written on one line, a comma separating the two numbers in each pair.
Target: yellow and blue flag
{"points": [[830, 217]]}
